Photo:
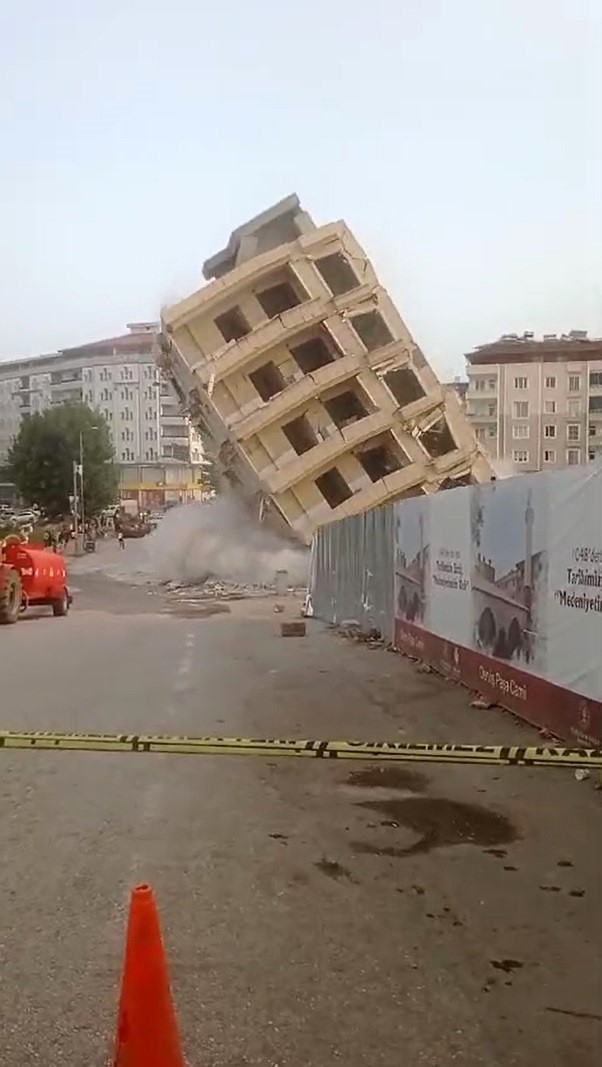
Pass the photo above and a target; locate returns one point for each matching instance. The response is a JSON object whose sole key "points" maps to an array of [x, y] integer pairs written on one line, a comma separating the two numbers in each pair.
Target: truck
{"points": [[30, 577]]}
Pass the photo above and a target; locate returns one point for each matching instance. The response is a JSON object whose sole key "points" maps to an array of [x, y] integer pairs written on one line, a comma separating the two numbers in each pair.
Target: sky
{"points": [[460, 139]]}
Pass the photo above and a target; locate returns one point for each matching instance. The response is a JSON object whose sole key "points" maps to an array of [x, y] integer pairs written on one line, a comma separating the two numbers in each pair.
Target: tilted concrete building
{"points": [[304, 381]]}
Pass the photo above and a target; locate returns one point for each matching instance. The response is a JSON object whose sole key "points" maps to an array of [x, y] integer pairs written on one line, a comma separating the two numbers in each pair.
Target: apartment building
{"points": [[119, 376], [538, 402], [304, 380], [459, 387]]}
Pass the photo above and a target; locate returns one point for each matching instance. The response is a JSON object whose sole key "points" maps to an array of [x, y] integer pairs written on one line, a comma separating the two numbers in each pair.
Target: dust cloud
{"points": [[503, 468], [219, 539]]}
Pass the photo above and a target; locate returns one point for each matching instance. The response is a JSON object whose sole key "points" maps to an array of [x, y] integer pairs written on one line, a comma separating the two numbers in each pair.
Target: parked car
{"points": [[26, 518]]}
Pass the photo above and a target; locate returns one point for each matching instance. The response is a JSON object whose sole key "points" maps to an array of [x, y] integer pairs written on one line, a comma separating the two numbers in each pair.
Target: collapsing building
{"points": [[312, 398]]}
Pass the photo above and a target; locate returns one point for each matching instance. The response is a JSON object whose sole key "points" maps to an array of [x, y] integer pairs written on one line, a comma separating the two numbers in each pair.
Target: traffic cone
{"points": [[147, 1031]]}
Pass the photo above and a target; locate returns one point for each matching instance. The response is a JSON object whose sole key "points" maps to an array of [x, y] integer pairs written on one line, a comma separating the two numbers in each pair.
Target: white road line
{"points": [[152, 802], [185, 664]]}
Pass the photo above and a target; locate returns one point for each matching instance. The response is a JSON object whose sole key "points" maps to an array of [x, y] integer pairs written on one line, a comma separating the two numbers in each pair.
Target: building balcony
{"points": [[294, 396], [453, 464], [478, 394], [62, 394], [422, 413], [392, 486], [279, 331], [180, 438], [231, 357], [389, 357], [251, 272], [480, 414], [174, 420], [323, 455]]}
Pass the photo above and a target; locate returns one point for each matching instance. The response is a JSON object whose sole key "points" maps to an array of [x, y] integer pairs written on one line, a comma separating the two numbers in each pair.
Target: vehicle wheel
{"points": [[61, 606], [10, 595]]}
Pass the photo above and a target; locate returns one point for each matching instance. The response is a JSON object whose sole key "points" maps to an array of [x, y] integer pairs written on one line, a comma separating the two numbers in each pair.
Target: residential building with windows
{"points": [[119, 377], [460, 387], [537, 402], [305, 382]]}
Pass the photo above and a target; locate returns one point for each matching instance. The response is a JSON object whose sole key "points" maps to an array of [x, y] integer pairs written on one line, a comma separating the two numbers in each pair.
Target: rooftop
{"points": [[279, 224], [526, 348], [124, 344], [141, 340]]}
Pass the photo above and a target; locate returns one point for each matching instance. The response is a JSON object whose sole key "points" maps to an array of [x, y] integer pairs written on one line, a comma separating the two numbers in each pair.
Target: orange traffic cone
{"points": [[147, 1031]]}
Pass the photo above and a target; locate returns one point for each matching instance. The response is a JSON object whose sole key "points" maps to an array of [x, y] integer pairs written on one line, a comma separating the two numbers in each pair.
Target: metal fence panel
{"points": [[352, 568]]}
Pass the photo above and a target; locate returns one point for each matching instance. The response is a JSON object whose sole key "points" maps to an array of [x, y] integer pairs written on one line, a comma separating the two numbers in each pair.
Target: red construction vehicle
{"points": [[31, 577]]}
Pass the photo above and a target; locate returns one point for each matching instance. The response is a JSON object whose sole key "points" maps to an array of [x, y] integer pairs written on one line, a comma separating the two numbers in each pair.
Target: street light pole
{"points": [[81, 474], [75, 502]]}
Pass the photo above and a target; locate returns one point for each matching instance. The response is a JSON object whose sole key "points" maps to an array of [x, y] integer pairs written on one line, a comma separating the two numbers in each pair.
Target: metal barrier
{"points": [[352, 570]]}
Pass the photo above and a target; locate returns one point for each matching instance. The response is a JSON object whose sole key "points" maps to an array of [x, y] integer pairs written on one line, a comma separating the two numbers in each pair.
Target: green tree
{"points": [[42, 455]]}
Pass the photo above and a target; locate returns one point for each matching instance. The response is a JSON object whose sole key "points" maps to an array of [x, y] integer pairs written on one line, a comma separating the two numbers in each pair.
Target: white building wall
{"points": [[128, 392]]}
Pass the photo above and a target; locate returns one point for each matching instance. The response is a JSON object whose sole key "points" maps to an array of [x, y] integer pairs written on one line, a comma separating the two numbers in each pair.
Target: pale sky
{"points": [[460, 139]]}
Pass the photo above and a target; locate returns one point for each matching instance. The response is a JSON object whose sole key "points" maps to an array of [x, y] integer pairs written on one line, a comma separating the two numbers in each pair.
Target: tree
{"points": [[42, 455]]}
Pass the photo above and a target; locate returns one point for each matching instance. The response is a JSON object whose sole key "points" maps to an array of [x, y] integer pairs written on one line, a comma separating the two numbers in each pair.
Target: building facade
{"points": [[119, 377], [310, 391], [537, 403]]}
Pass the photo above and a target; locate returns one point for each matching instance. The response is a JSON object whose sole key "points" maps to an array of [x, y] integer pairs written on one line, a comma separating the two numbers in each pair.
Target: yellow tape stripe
{"points": [[495, 755]]}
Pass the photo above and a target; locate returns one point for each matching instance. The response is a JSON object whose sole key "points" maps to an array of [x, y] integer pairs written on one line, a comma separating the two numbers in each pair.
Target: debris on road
{"points": [[352, 630], [293, 629], [195, 590]]}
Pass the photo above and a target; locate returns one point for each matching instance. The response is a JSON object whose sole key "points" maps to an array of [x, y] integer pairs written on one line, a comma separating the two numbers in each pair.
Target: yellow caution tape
{"points": [[390, 751]]}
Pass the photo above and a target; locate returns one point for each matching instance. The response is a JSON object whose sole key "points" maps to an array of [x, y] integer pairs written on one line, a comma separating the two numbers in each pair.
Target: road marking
{"points": [[389, 751], [185, 665]]}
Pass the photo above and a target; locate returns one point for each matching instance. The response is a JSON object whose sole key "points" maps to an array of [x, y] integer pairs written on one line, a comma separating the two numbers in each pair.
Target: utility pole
{"points": [[81, 474], [75, 500]]}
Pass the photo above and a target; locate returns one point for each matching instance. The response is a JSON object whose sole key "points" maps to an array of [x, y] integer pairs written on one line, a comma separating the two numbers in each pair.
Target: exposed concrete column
{"points": [[246, 249], [345, 336], [309, 278]]}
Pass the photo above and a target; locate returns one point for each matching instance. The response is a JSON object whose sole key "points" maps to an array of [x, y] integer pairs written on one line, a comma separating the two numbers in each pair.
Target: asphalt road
{"points": [[313, 913]]}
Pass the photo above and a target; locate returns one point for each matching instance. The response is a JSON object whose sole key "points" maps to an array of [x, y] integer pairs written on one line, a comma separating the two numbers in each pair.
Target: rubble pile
{"points": [[218, 541], [198, 590], [352, 630]]}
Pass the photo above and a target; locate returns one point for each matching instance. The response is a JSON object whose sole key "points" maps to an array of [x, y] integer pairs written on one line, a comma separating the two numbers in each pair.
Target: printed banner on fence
{"points": [[508, 577]]}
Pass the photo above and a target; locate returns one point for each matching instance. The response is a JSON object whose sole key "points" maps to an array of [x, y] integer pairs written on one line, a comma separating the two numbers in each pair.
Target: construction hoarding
{"points": [[499, 586], [351, 570]]}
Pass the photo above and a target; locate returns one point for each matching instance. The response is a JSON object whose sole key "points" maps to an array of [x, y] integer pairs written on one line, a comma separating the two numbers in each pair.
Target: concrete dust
{"points": [[503, 468], [218, 539]]}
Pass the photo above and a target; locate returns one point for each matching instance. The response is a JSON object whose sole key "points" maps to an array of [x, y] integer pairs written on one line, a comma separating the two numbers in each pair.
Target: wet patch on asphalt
{"points": [[377, 777], [333, 869], [199, 611], [506, 965], [439, 822]]}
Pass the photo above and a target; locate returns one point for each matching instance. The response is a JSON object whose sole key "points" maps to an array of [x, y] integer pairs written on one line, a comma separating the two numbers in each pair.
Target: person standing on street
{"points": [[121, 539]]}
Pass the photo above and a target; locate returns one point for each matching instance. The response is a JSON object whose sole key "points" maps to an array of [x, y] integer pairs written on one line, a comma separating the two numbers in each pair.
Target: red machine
{"points": [[31, 577]]}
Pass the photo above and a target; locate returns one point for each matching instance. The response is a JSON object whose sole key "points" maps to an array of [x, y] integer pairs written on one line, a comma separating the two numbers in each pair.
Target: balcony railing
{"points": [[480, 414]]}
